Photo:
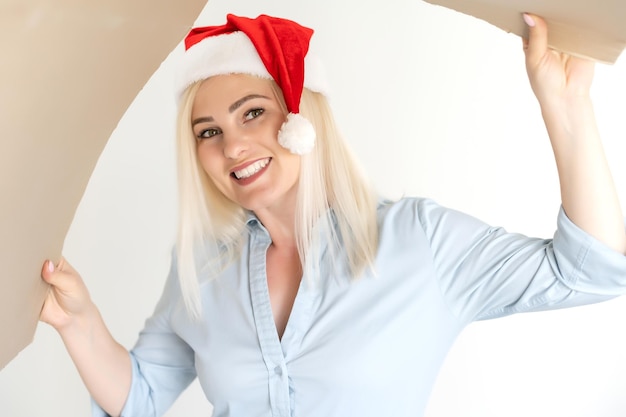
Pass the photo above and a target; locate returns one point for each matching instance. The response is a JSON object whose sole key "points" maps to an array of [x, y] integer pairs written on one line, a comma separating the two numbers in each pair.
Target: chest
{"points": [[284, 274], [347, 342]]}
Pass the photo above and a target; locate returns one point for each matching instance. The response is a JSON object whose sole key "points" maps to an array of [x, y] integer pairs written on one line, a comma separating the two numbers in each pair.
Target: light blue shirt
{"points": [[368, 347]]}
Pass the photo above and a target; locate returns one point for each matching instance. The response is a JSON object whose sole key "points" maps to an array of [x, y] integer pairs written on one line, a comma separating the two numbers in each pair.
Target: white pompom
{"points": [[297, 135]]}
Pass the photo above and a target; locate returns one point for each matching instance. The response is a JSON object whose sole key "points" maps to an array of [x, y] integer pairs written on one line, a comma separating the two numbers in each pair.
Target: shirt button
{"points": [[278, 371]]}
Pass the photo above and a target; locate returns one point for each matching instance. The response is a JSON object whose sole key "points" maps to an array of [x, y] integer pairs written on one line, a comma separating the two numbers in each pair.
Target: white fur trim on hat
{"points": [[234, 53], [297, 135]]}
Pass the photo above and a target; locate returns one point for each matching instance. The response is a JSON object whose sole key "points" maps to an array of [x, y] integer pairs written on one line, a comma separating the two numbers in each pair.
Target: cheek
{"points": [[213, 171], [292, 165], [208, 160], [272, 123]]}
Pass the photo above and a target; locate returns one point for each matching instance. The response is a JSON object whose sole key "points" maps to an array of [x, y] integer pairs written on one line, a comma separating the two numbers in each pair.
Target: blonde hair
{"points": [[334, 202]]}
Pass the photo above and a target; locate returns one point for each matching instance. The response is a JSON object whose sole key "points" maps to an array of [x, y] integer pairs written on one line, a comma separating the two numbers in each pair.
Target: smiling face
{"points": [[236, 119]]}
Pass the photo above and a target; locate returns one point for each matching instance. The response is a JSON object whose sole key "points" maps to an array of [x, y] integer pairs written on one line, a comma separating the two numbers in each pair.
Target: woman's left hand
{"points": [[562, 85], [554, 76]]}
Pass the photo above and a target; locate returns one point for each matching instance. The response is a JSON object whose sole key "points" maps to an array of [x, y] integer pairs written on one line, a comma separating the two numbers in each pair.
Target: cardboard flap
{"points": [[594, 30], [69, 71]]}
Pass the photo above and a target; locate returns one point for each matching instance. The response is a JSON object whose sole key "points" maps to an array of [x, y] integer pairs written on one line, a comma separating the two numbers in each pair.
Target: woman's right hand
{"points": [[103, 364], [68, 297]]}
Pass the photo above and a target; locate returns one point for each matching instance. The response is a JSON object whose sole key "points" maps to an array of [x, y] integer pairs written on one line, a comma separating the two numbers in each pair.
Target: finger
{"points": [[65, 266], [47, 270], [45, 307], [537, 44], [60, 275]]}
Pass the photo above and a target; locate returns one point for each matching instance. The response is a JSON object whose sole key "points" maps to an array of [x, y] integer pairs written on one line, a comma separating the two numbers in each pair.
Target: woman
{"points": [[293, 291]]}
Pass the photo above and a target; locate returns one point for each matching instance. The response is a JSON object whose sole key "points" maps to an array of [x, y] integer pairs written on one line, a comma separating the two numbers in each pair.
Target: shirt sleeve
{"points": [[485, 272], [162, 363]]}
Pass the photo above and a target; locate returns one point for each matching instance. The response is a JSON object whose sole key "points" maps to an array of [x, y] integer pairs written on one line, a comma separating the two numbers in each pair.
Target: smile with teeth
{"points": [[251, 169]]}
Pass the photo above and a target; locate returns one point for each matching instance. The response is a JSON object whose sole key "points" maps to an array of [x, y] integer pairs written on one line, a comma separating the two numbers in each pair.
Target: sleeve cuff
{"points": [[97, 411], [586, 264]]}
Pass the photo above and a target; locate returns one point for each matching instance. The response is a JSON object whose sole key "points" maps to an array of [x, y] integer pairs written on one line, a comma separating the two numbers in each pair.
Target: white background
{"points": [[435, 104]]}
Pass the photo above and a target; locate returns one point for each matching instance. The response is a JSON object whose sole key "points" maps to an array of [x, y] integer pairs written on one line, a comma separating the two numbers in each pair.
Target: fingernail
{"points": [[529, 20], [50, 266]]}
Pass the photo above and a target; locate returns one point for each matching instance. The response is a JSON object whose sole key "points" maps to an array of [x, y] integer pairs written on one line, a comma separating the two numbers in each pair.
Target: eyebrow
{"points": [[231, 108], [242, 100]]}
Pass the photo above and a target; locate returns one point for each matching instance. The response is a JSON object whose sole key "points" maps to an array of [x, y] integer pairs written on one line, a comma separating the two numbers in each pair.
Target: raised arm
{"points": [[561, 83], [103, 364]]}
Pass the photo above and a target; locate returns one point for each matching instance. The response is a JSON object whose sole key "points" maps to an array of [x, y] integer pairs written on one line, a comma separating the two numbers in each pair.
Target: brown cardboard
{"points": [[591, 29], [70, 68]]}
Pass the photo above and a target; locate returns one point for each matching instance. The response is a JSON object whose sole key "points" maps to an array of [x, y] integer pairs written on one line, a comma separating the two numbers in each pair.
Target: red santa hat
{"points": [[267, 47]]}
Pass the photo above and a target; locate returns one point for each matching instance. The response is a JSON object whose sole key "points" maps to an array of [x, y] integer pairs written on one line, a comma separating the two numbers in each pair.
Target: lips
{"points": [[251, 169]]}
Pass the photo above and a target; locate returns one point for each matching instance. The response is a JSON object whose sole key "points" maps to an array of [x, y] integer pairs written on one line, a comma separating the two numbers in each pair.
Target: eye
{"points": [[208, 133], [253, 114]]}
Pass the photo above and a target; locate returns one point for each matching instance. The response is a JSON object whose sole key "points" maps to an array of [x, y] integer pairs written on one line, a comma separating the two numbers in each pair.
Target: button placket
{"points": [[266, 329]]}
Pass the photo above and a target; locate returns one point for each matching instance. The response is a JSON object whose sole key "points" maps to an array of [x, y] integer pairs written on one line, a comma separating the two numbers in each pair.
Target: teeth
{"points": [[250, 170]]}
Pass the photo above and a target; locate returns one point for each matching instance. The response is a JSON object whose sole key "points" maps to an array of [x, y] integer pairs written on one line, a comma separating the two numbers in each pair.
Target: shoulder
{"points": [[403, 218], [410, 213], [408, 210]]}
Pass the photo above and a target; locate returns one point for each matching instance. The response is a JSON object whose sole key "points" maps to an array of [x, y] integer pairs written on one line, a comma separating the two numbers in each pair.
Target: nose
{"points": [[235, 144]]}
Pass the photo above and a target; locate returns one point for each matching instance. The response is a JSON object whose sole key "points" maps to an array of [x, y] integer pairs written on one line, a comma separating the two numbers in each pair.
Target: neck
{"points": [[280, 223]]}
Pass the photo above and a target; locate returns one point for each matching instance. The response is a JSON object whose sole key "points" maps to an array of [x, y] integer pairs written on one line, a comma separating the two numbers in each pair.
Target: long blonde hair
{"points": [[332, 190]]}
